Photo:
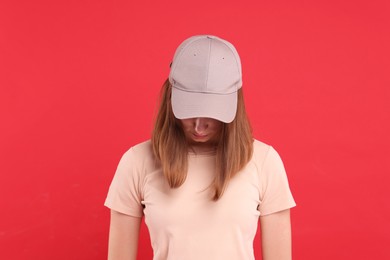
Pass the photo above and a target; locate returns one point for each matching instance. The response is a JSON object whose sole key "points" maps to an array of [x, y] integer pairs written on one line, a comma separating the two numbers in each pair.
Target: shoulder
{"points": [[263, 152], [139, 154], [260, 147], [140, 150], [260, 151]]}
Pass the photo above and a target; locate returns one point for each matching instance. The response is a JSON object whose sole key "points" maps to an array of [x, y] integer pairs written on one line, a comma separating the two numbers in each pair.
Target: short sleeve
{"points": [[275, 191], [124, 193]]}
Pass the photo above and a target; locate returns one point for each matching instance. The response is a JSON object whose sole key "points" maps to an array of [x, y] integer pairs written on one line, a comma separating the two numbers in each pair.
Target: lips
{"points": [[199, 135]]}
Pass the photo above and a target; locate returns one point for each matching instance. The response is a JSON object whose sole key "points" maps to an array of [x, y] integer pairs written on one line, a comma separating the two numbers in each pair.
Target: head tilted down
{"points": [[202, 106]]}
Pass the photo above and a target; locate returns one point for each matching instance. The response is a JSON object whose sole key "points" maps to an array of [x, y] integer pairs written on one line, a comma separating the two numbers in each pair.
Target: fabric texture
{"points": [[184, 223]]}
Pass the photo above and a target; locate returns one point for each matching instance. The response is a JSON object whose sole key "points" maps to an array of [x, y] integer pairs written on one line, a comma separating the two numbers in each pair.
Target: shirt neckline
{"points": [[205, 153]]}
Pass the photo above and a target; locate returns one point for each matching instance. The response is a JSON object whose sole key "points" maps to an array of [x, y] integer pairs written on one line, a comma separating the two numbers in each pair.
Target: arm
{"points": [[123, 239], [276, 236]]}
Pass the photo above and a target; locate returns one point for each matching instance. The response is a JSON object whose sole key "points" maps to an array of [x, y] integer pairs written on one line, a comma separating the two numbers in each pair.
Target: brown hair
{"points": [[234, 149]]}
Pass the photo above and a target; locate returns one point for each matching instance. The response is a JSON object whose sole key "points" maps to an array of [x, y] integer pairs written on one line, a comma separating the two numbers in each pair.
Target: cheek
{"points": [[216, 126], [187, 127], [186, 123]]}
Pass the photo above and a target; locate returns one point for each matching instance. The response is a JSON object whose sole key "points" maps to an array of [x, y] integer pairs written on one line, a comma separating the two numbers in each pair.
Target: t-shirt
{"points": [[184, 223]]}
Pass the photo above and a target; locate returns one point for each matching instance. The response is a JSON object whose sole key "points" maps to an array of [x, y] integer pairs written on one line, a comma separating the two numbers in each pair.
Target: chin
{"points": [[200, 140]]}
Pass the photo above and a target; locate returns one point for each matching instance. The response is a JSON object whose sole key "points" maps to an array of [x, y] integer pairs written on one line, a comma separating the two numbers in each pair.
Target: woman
{"points": [[202, 182]]}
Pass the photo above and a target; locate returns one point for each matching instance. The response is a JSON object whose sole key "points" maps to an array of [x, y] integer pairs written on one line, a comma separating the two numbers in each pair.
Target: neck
{"points": [[202, 147]]}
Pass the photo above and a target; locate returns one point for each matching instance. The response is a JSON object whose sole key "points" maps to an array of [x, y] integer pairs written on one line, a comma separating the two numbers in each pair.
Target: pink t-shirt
{"points": [[184, 223]]}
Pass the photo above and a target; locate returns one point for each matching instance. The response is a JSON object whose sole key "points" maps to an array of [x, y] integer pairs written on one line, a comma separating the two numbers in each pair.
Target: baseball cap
{"points": [[205, 76]]}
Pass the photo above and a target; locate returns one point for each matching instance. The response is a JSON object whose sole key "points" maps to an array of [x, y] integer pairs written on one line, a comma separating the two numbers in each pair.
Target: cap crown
{"points": [[206, 64]]}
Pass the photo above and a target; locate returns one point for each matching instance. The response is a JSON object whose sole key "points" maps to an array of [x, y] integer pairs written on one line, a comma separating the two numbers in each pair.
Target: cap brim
{"points": [[221, 107]]}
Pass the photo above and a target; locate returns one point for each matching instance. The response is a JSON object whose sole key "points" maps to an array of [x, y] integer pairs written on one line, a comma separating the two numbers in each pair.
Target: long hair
{"points": [[234, 148]]}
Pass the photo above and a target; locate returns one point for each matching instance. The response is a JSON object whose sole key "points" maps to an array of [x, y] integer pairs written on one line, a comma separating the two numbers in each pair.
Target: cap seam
{"points": [[208, 65], [238, 67]]}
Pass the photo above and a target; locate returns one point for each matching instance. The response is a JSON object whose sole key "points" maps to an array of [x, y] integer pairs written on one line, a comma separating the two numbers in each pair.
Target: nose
{"points": [[200, 125]]}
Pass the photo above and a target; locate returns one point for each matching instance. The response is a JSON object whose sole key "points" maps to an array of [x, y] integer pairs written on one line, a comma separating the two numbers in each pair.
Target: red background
{"points": [[79, 85]]}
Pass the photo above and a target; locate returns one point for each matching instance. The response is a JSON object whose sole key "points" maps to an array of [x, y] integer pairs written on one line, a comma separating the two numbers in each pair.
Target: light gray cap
{"points": [[205, 77]]}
